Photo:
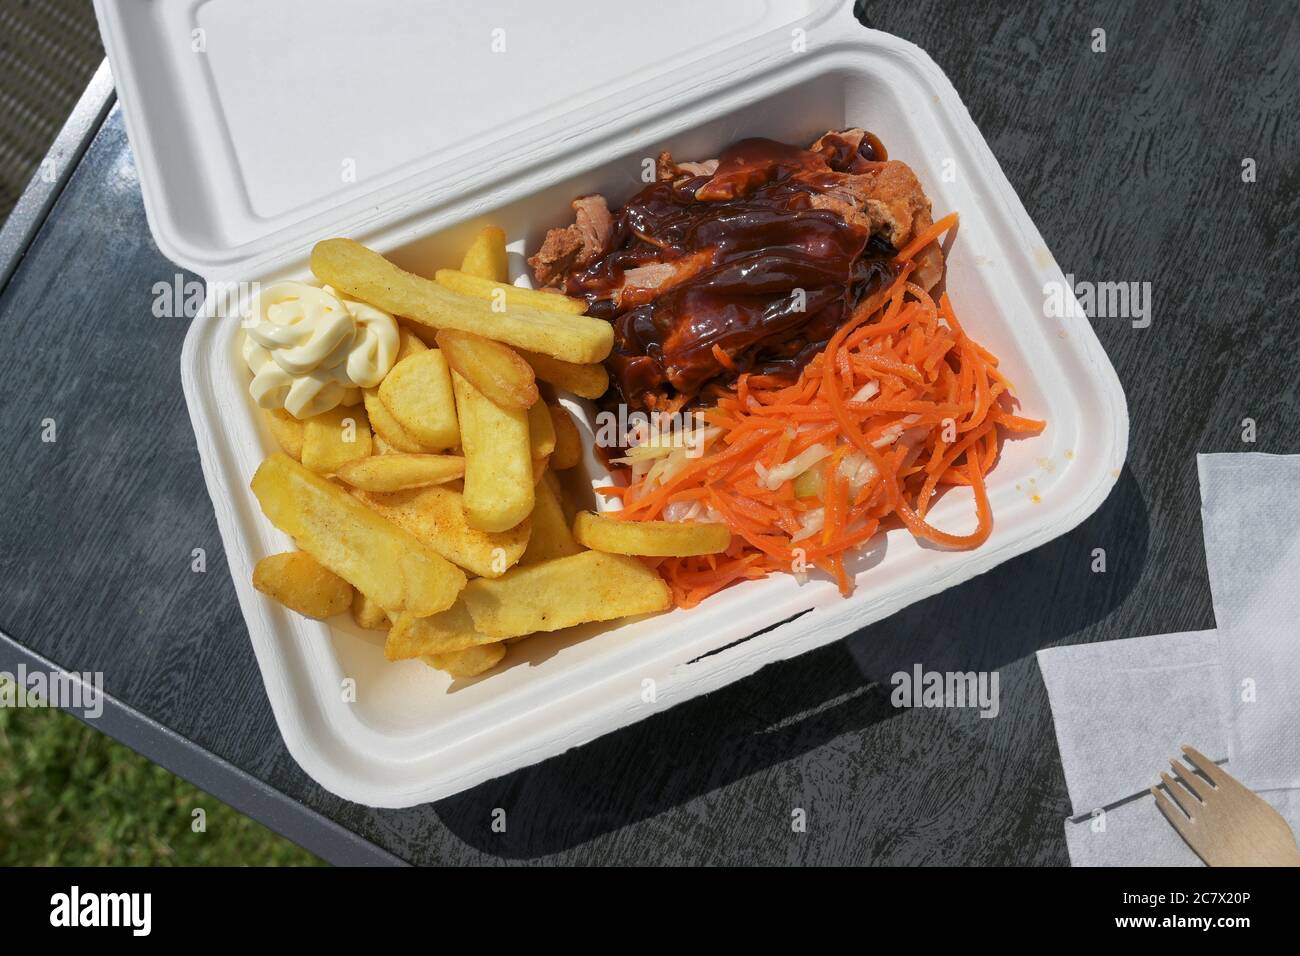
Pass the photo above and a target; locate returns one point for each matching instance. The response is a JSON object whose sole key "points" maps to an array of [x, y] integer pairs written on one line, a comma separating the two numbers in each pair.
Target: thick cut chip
{"points": [[470, 662], [436, 516], [550, 536], [368, 613], [568, 443], [566, 501], [300, 583], [418, 393], [422, 334], [510, 295], [357, 271], [496, 370], [334, 437], [408, 343], [387, 427], [486, 257], [659, 539], [589, 586], [286, 430], [586, 381], [399, 472], [396, 569], [541, 431], [539, 468], [498, 463], [445, 633]]}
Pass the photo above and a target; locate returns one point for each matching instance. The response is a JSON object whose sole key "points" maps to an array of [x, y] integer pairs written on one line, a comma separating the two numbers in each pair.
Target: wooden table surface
{"points": [[1130, 163]]}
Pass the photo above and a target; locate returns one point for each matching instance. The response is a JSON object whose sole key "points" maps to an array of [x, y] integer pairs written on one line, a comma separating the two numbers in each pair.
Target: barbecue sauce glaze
{"points": [[752, 222]]}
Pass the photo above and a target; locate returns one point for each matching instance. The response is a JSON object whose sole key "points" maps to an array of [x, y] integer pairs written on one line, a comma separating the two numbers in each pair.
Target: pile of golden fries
{"points": [[433, 509]]}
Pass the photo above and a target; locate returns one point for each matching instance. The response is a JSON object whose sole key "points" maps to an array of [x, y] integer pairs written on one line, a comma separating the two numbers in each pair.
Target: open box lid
{"points": [[260, 127]]}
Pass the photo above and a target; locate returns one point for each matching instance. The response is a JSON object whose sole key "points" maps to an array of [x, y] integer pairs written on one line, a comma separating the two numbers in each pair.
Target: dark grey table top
{"points": [[1130, 163]]}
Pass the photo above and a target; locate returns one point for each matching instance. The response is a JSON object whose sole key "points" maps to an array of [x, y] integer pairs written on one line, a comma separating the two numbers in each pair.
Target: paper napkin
{"points": [[1122, 709], [1250, 511]]}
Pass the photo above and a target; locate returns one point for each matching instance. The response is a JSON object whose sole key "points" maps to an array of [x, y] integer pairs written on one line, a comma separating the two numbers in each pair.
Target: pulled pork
{"points": [[744, 263]]}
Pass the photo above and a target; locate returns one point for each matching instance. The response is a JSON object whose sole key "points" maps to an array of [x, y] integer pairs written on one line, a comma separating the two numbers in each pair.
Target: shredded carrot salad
{"points": [[901, 403]]}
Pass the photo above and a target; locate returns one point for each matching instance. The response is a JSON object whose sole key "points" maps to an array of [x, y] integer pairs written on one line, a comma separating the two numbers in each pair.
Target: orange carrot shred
{"points": [[934, 420], [723, 358], [927, 237]]}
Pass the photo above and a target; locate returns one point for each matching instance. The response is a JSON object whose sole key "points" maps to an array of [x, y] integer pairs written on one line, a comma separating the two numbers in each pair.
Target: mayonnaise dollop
{"points": [[311, 349]]}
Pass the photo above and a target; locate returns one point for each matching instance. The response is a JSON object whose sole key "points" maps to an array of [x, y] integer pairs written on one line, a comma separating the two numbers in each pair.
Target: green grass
{"points": [[70, 796]]}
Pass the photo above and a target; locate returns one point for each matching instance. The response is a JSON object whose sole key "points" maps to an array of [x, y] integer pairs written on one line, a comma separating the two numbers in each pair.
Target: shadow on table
{"points": [[795, 706]]}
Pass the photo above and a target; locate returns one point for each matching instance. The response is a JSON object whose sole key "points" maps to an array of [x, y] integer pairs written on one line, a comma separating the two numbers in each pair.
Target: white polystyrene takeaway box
{"points": [[261, 128]]}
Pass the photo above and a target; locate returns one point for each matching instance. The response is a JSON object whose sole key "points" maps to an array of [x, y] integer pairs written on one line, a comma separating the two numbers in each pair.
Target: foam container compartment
{"points": [[240, 147]]}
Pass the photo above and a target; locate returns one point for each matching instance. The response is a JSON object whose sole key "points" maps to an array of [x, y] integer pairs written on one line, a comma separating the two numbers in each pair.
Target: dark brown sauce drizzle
{"points": [[748, 237]]}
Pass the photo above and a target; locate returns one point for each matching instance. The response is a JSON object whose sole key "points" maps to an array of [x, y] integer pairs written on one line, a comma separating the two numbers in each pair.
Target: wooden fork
{"points": [[1226, 824]]}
